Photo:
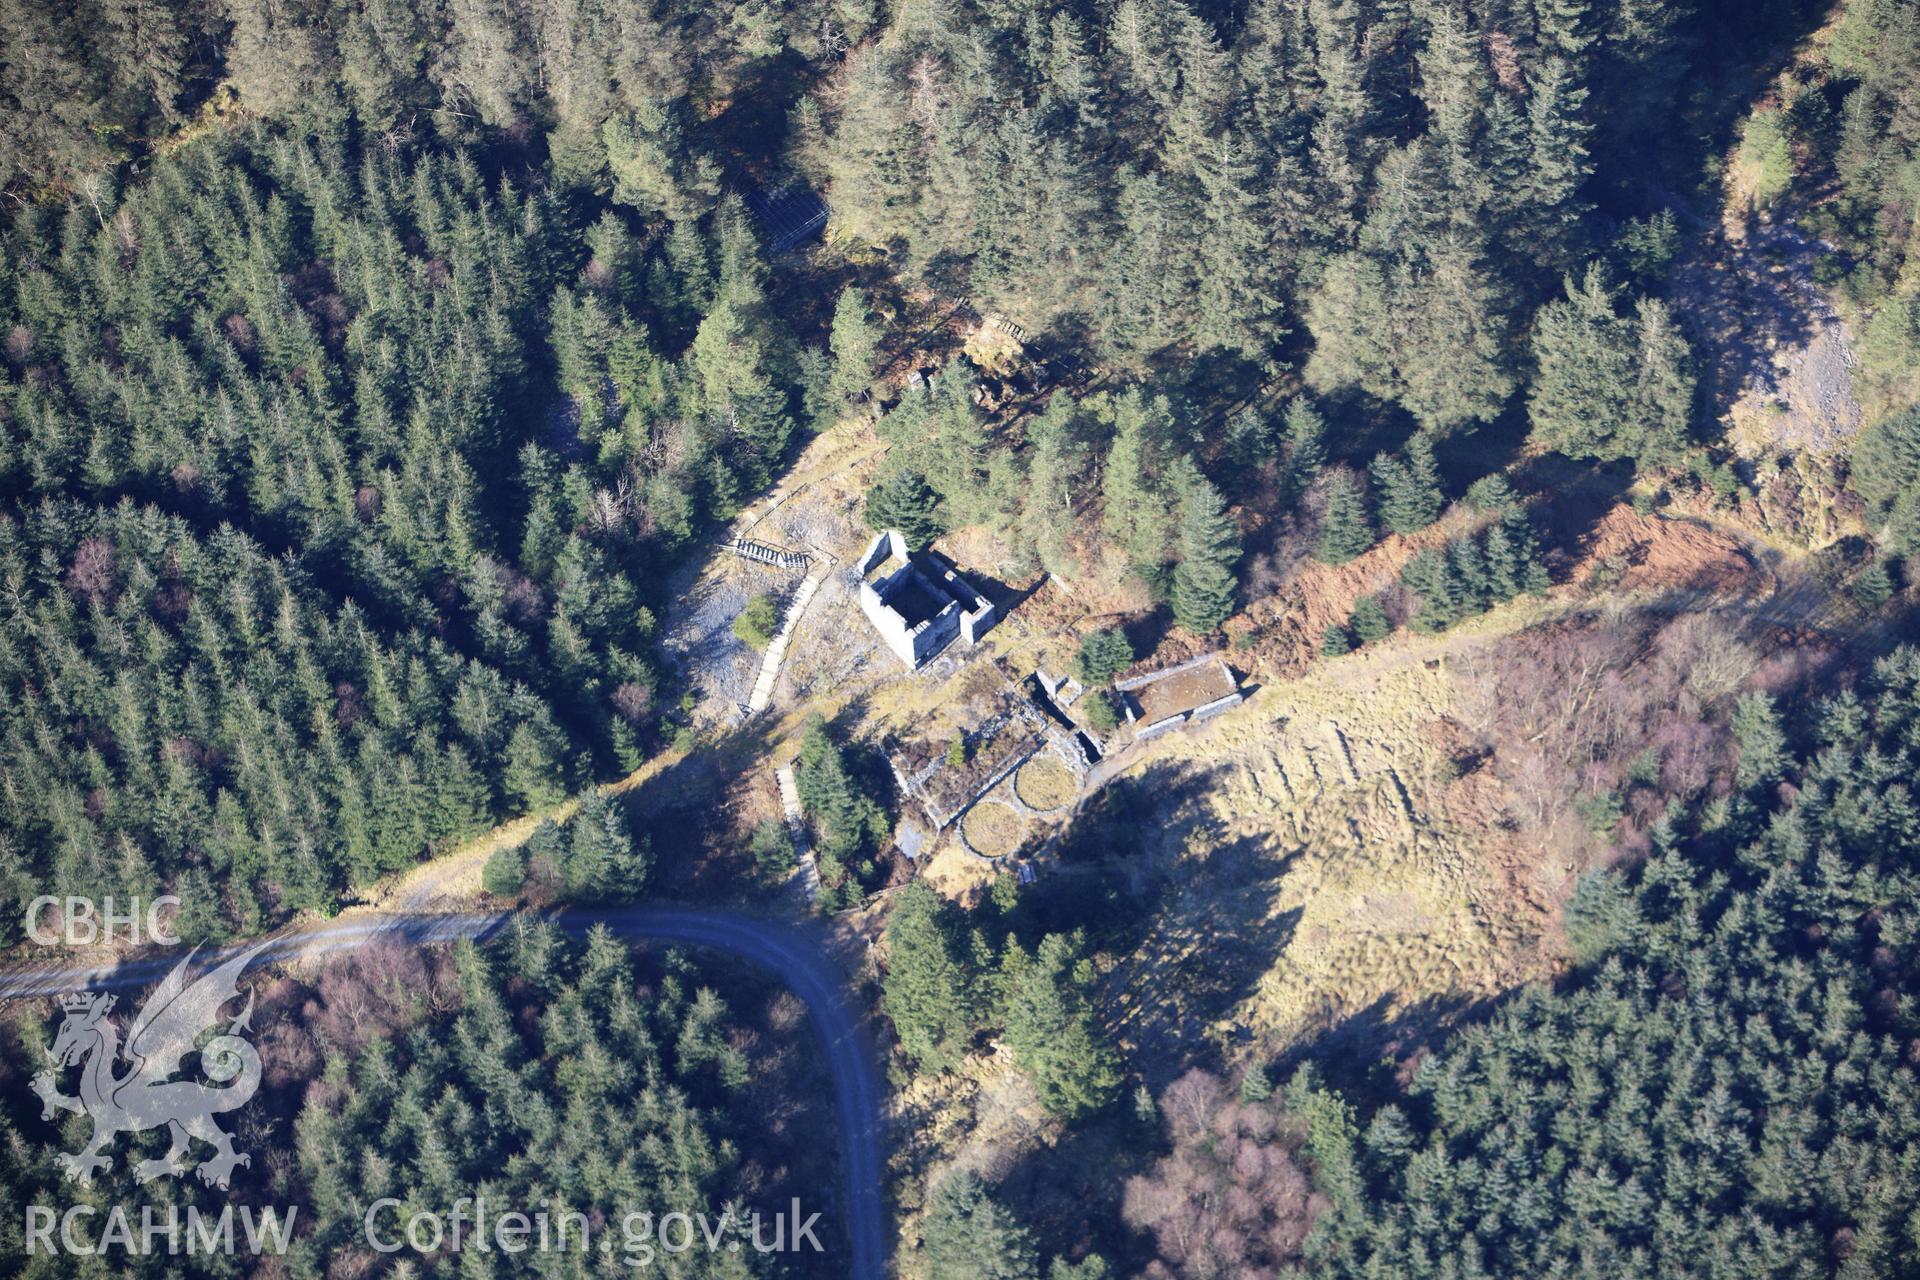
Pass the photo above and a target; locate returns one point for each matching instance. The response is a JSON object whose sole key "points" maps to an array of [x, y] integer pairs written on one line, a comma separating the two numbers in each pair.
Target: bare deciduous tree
{"points": [[1230, 1199]]}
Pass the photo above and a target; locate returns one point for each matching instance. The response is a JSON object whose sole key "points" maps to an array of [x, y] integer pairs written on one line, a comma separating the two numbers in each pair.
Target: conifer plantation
{"points": [[310, 572], [536, 1074], [1726, 1083]]}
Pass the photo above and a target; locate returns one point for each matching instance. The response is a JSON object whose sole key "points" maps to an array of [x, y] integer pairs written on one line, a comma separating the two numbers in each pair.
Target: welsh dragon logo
{"points": [[145, 1096]]}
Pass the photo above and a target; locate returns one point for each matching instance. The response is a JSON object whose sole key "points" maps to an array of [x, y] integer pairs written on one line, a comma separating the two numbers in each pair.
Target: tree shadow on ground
{"points": [[1070, 1193], [1369, 1054], [1492, 446], [1204, 954], [1145, 631], [1206, 388], [1576, 496], [1360, 425], [1193, 913], [1004, 596], [679, 810]]}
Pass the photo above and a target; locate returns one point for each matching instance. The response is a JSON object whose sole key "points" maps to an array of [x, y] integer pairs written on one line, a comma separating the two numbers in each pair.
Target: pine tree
{"points": [[1431, 577], [970, 1236], [382, 67], [1055, 471], [1254, 1085], [202, 915], [1249, 438], [1885, 472], [926, 988], [602, 862], [903, 501], [1346, 531], [1663, 391], [1369, 621], [1409, 491], [1050, 1027], [1415, 316], [1505, 571], [1491, 493], [1763, 745], [1335, 642], [1453, 339], [1343, 139], [1135, 512], [1468, 568], [1306, 446], [1103, 655], [655, 168], [855, 343], [1423, 469], [1207, 544], [1874, 586], [846, 819], [1234, 301], [1566, 26], [820, 403], [1387, 475], [1453, 84], [1581, 398], [531, 773], [957, 452], [1559, 164], [1520, 534], [504, 873]]}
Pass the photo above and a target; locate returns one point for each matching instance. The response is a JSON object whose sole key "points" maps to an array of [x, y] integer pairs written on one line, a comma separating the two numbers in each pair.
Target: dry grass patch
{"points": [[1311, 825], [992, 829], [1044, 783]]}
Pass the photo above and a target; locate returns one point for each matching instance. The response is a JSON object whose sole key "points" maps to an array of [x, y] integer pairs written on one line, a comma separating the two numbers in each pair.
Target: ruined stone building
{"points": [[917, 601], [1195, 690]]}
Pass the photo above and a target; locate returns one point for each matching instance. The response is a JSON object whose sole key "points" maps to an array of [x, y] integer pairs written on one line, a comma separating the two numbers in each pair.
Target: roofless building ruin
{"points": [[918, 601]]}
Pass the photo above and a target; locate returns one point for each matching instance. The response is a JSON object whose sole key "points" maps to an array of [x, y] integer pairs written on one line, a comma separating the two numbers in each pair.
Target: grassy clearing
{"points": [[1046, 784], [1310, 825], [993, 830]]}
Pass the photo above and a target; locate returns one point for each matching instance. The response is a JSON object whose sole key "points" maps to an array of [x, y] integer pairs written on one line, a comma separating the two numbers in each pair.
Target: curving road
{"points": [[785, 952]]}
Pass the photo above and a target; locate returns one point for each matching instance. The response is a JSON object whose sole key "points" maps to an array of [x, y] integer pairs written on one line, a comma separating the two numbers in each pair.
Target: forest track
{"points": [[790, 954]]}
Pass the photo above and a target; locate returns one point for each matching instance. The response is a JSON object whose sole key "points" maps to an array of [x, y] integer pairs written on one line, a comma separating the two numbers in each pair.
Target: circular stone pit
{"points": [[992, 829], [1045, 783]]}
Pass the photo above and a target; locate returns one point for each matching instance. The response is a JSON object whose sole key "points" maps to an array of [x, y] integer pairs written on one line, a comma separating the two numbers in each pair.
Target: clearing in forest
{"points": [[1314, 875]]}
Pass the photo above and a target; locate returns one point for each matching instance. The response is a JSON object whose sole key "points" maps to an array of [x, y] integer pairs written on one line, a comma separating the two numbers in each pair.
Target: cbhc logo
{"points": [[84, 923]]}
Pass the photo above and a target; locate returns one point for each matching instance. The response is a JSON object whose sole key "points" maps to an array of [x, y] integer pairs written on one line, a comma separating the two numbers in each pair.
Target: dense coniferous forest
{"points": [[310, 570]]}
